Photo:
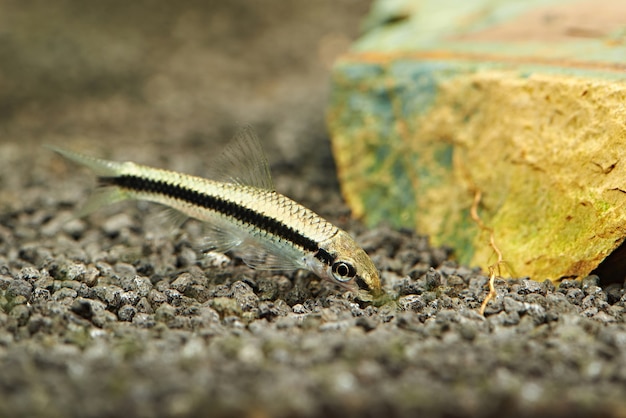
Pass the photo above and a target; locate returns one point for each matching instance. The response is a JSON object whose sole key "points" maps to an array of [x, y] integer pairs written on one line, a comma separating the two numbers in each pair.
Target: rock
{"points": [[19, 288], [421, 120]]}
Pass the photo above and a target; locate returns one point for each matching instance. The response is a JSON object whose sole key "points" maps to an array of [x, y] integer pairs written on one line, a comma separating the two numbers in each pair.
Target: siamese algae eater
{"points": [[242, 212]]}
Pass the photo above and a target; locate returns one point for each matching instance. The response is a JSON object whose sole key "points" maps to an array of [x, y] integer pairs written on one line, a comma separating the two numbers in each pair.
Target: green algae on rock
{"points": [[419, 126]]}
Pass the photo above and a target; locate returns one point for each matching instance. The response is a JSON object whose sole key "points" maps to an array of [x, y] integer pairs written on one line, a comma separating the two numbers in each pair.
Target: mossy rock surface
{"points": [[421, 121]]}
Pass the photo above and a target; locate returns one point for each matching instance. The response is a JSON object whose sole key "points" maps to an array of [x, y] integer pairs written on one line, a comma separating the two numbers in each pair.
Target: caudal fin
{"points": [[102, 168], [104, 195]]}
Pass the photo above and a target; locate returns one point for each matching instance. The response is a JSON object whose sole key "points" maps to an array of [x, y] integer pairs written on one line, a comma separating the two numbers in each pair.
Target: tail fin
{"points": [[102, 168], [104, 195]]}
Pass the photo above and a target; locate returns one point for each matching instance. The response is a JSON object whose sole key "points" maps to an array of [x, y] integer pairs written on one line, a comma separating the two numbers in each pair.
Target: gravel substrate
{"points": [[102, 316], [116, 315]]}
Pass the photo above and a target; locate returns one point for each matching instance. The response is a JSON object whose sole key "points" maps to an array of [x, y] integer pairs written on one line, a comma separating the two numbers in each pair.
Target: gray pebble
{"points": [[418, 270], [512, 305], [105, 269], [114, 225], [30, 253], [595, 299], [125, 270], [413, 303], [614, 294], [468, 330], [575, 295], [367, 323], [589, 281], [272, 310], [29, 273], [214, 260], [183, 282], [405, 286], [569, 284], [110, 294], [536, 312], [299, 309], [129, 298], [75, 271], [40, 295], [21, 313], [103, 318], [144, 320], [5, 281], [187, 257], [244, 295], [74, 227], [142, 285], [19, 288], [156, 298], [126, 313], [90, 277], [39, 323], [69, 284], [173, 297], [604, 317], [65, 293], [144, 306], [505, 318], [530, 286], [205, 317], [165, 313], [590, 311], [162, 285], [87, 308]]}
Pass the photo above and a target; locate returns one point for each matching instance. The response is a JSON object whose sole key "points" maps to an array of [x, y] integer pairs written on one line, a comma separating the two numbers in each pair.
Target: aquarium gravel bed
{"points": [[118, 314]]}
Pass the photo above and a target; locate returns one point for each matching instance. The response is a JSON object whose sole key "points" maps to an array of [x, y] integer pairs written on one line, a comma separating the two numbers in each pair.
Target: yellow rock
{"points": [[504, 98], [548, 153]]}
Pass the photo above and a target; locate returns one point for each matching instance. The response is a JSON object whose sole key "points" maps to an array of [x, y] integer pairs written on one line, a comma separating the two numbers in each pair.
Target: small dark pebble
{"points": [[575, 295], [165, 313], [21, 313], [83, 308], [529, 286], [567, 284], [271, 310], [17, 288], [613, 294], [126, 313], [144, 320], [38, 323], [156, 298], [65, 293], [129, 298], [433, 279], [367, 323], [40, 295], [413, 303], [5, 281], [173, 297], [110, 294], [183, 282]]}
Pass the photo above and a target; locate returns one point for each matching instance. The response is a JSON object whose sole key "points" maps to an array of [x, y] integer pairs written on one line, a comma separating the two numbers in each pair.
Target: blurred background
{"points": [[158, 81]]}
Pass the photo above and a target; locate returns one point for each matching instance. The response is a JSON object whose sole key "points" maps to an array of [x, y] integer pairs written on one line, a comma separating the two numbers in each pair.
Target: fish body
{"points": [[242, 213]]}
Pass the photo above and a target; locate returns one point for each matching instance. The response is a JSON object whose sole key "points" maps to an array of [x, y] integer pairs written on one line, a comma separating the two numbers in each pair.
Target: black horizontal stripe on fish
{"points": [[243, 214]]}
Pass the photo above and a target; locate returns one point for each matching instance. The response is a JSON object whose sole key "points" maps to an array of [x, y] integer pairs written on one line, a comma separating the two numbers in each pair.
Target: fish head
{"points": [[349, 266]]}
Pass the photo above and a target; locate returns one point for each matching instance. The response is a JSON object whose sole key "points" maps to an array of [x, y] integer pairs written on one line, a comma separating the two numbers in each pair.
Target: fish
{"points": [[241, 213]]}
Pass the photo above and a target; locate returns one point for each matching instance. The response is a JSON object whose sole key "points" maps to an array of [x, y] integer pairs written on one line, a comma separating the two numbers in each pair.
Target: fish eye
{"points": [[343, 271]]}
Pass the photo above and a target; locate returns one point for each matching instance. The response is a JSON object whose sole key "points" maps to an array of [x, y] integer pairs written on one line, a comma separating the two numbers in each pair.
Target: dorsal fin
{"points": [[243, 162]]}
